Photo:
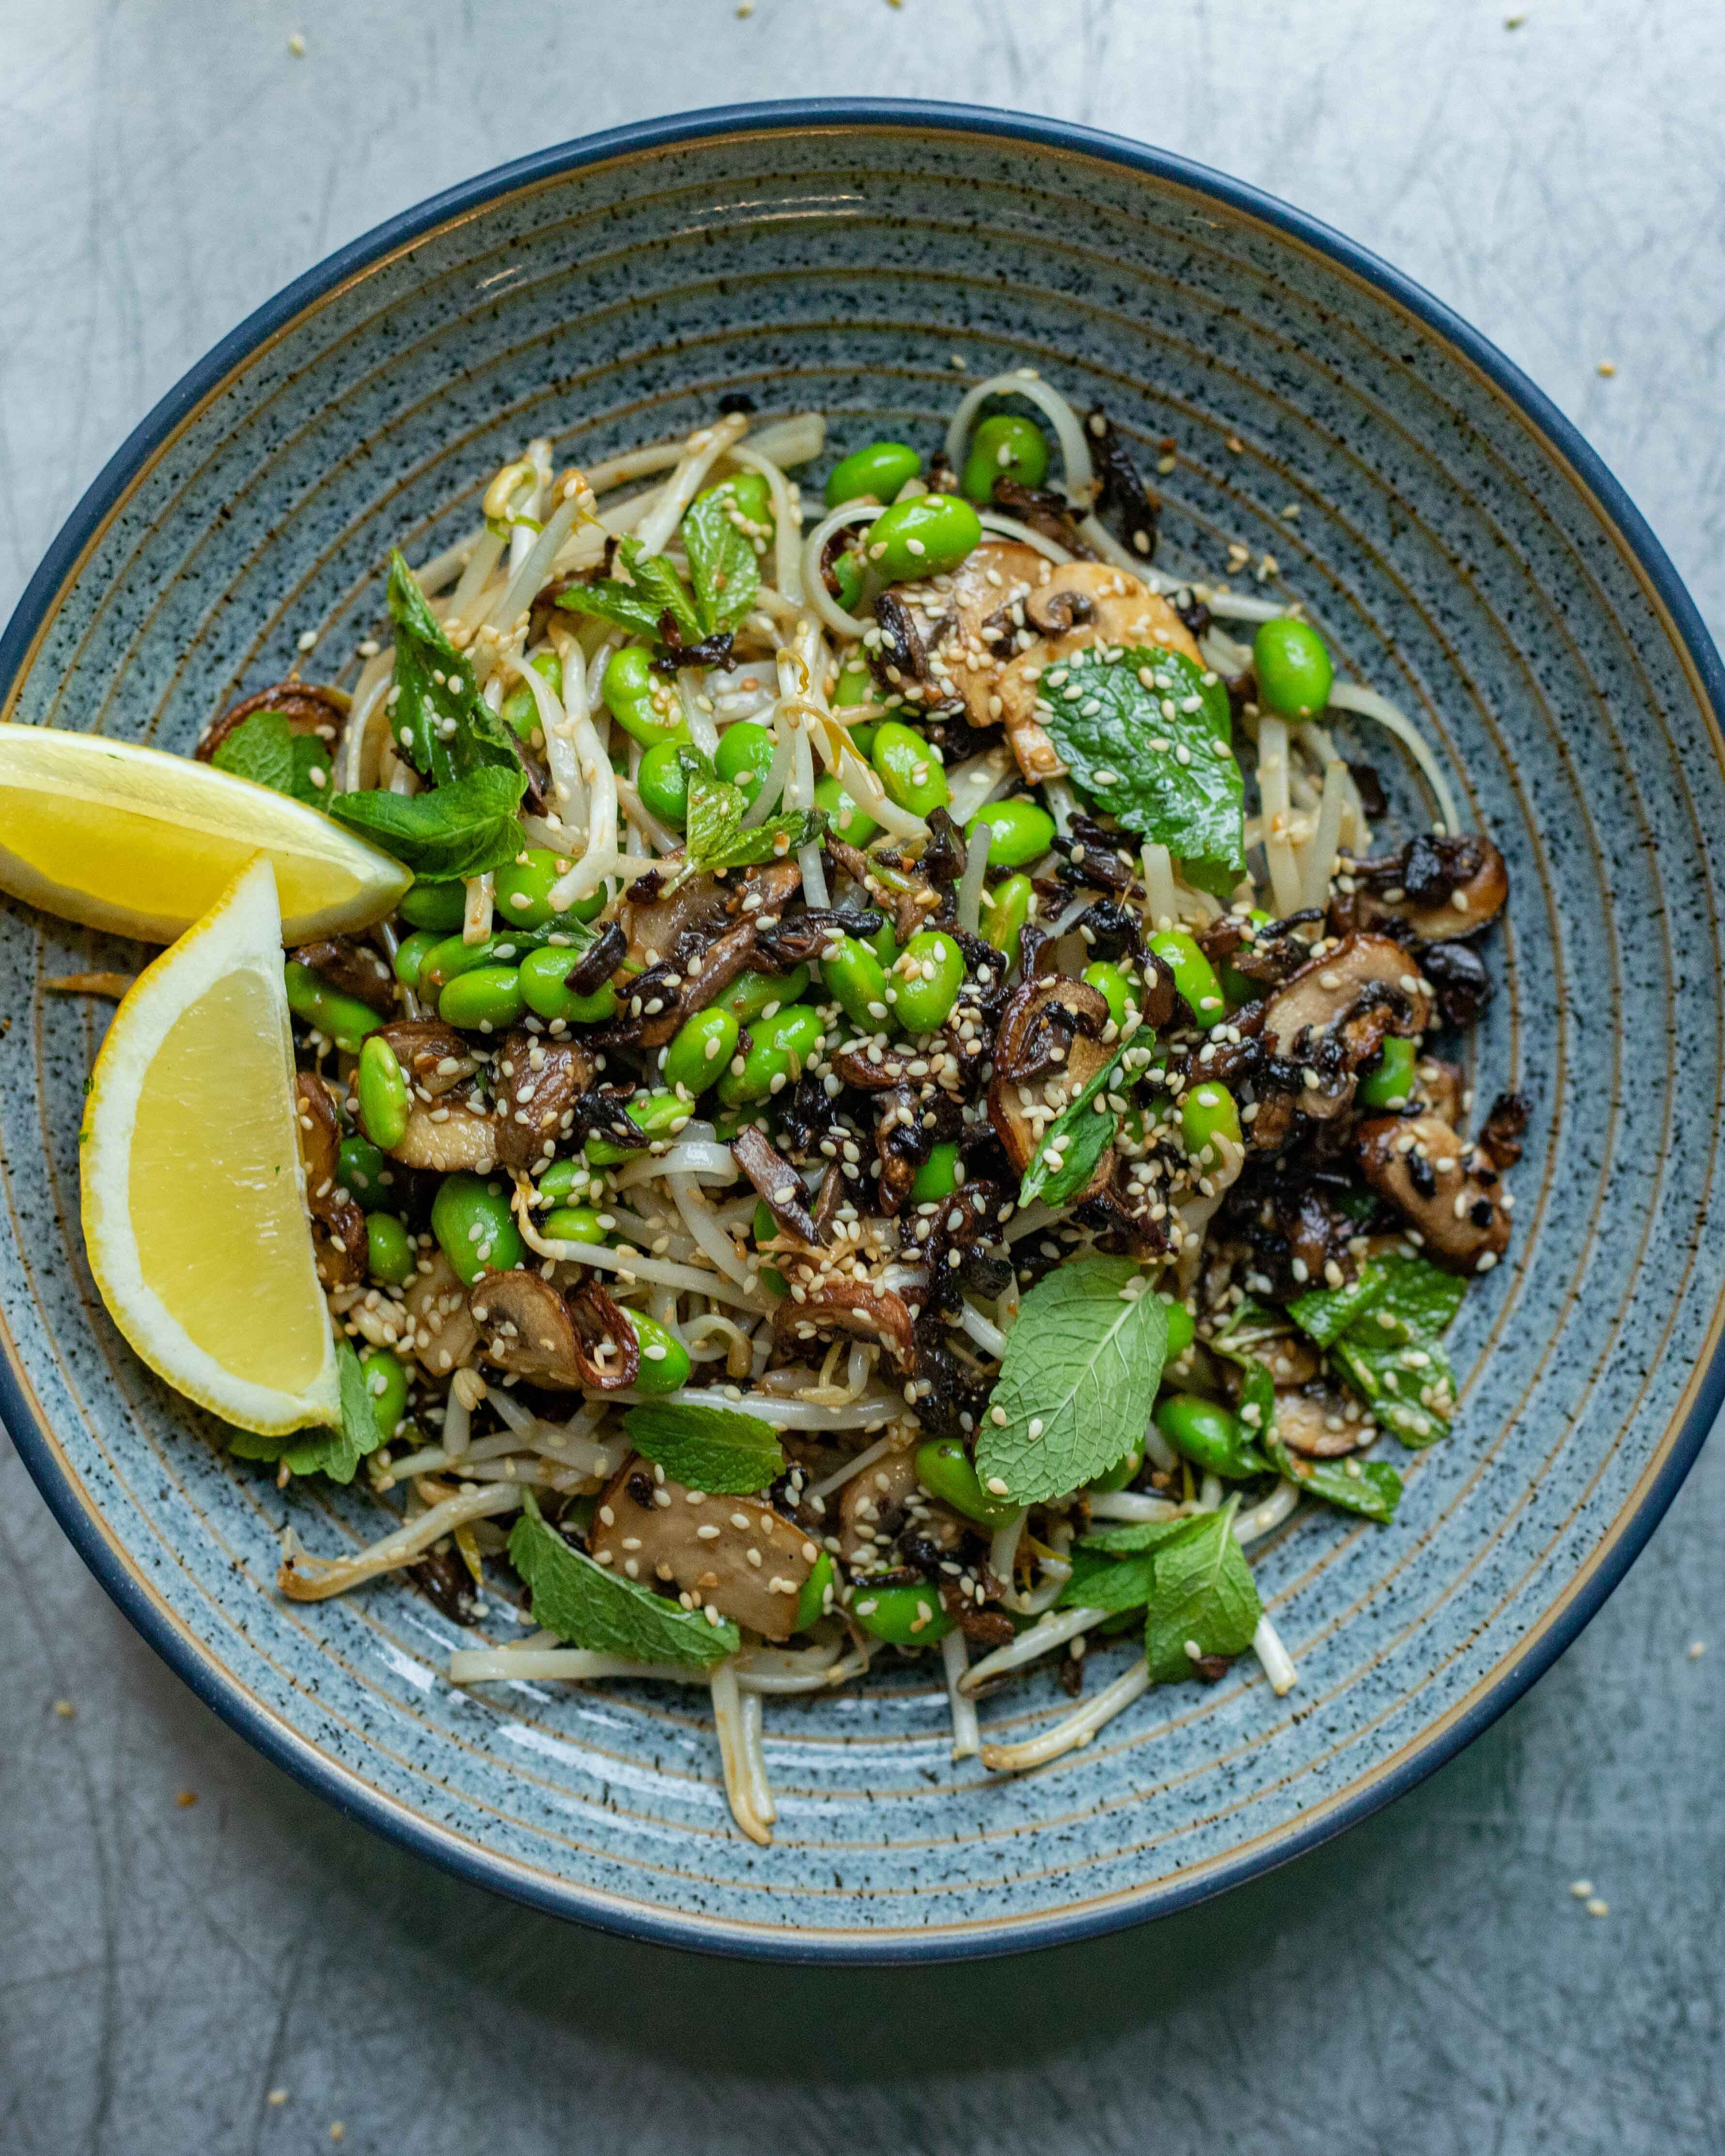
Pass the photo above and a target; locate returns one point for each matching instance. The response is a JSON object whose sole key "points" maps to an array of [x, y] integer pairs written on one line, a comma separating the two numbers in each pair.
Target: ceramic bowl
{"points": [[1461, 549]]}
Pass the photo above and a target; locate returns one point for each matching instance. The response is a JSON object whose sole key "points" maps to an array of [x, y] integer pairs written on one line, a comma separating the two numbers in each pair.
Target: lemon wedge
{"points": [[142, 844], [194, 1202]]}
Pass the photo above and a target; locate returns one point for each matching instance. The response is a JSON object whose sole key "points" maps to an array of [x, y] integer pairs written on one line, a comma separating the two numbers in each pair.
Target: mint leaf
{"points": [[723, 567], [441, 723], [713, 833], [651, 590], [311, 780], [1081, 1365], [1203, 1592], [1088, 1132], [1393, 1356], [1105, 1583], [1138, 1535], [589, 1607], [1374, 1488], [260, 748], [461, 829], [1326, 1313], [709, 1449], [1122, 737], [335, 1452]]}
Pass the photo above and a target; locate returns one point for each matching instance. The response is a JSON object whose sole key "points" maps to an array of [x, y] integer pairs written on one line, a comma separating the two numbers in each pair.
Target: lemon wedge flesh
{"points": [[141, 844], [194, 1205]]}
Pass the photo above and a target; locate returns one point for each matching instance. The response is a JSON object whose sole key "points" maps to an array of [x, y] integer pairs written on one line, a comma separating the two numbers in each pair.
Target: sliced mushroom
{"points": [[450, 1136], [433, 1055], [355, 968], [539, 1085], [307, 709], [1503, 1130], [980, 630], [525, 1327], [1439, 1086], [1290, 1359], [779, 1182], [852, 1307], [341, 1248], [733, 1554], [1333, 1015], [1050, 1041], [654, 924], [1319, 1423], [607, 1350], [1445, 1188], [873, 1508], [1458, 973], [442, 1332], [1441, 887]]}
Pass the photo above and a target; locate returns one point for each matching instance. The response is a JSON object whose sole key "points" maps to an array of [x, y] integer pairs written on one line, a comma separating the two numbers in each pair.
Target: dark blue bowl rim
{"points": [[211, 1683]]}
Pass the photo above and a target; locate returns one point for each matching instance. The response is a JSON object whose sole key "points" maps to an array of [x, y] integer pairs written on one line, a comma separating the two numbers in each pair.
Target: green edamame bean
{"points": [[704, 1046], [752, 497], [766, 1228], [1388, 1085], [439, 905], [571, 1224], [1005, 909], [910, 767], [1208, 1113], [746, 751], [1182, 1330], [817, 1591], [410, 954], [384, 1105], [1205, 1432], [1119, 1475], [1005, 447], [910, 1615], [1293, 669], [856, 981], [1115, 989], [389, 1249], [363, 1172], [923, 538], [519, 710], [855, 686], [343, 1019], [847, 572], [471, 1220], [522, 888], [387, 1385], [660, 1116], [562, 1178], [487, 1000], [544, 976], [848, 821], [1021, 832], [876, 472], [783, 1046], [1194, 977], [643, 703], [664, 1360], [885, 944], [453, 956], [1237, 986], [751, 996], [944, 1469], [926, 980], [663, 782], [938, 1177]]}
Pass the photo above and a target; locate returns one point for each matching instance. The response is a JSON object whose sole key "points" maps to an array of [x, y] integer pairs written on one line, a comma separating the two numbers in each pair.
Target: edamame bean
{"points": [[571, 1224], [1194, 977], [660, 1116], [363, 1172], [704, 1046], [384, 1105], [1209, 1113], [522, 888], [343, 1019], [1021, 832], [847, 574], [766, 1228], [782, 1047], [944, 1469], [908, 1615], [922, 537], [561, 1179], [752, 494], [1182, 1330], [848, 821], [939, 1175], [471, 1220], [642, 702], [1119, 1475], [926, 980], [410, 955], [745, 752], [1005, 447], [1207, 1434], [875, 473], [1237, 986], [855, 686], [1005, 911], [1388, 1085], [544, 976], [856, 981], [389, 1249], [817, 1591], [910, 767], [663, 783], [751, 996], [664, 1360], [1293, 669], [439, 905], [453, 956], [387, 1386], [519, 710], [487, 1000], [1115, 988]]}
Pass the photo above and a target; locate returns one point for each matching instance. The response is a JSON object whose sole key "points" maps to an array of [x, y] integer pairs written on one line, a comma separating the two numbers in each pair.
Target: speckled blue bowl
{"points": [[1460, 547]]}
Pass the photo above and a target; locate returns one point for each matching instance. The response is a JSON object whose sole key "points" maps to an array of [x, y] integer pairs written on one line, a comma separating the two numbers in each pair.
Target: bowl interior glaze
{"points": [[1460, 548]]}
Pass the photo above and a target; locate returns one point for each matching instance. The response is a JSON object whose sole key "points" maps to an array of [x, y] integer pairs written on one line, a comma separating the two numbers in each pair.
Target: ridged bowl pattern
{"points": [[1459, 550]]}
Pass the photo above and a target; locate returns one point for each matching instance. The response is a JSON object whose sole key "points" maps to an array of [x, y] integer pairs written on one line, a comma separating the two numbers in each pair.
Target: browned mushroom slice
{"points": [[983, 606], [1448, 1191], [719, 965], [342, 1247], [355, 968], [852, 1307], [902, 1146], [733, 1554], [442, 1331], [1319, 1423], [433, 1055], [871, 1069], [525, 1327], [608, 1349], [1047, 1048], [448, 1137], [1441, 887], [873, 1508], [1333, 1015], [654, 923], [1505, 1128], [1290, 1359], [307, 709], [538, 1083], [1439, 1086], [777, 1181]]}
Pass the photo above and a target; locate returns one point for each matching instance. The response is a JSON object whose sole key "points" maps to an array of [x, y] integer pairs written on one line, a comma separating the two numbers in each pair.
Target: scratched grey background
{"points": [[1427, 1984]]}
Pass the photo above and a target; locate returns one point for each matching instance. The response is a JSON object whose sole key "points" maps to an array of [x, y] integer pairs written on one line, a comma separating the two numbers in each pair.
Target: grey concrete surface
{"points": [[1427, 1984]]}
